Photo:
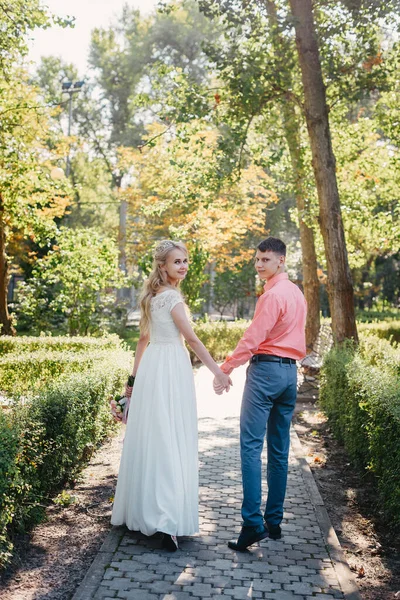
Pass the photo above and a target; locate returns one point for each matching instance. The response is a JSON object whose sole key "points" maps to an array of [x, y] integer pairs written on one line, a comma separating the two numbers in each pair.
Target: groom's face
{"points": [[268, 264]]}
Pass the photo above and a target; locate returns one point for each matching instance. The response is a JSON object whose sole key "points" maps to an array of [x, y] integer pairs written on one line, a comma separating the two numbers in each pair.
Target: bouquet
{"points": [[119, 405]]}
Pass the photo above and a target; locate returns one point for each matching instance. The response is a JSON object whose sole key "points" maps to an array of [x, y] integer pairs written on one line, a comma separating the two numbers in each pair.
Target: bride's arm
{"points": [[140, 348], [179, 316]]}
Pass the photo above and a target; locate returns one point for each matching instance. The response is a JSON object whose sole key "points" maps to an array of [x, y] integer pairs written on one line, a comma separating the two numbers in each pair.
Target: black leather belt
{"points": [[271, 358]]}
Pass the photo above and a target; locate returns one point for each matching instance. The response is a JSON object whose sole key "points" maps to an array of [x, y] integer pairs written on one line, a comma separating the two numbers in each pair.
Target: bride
{"points": [[157, 487]]}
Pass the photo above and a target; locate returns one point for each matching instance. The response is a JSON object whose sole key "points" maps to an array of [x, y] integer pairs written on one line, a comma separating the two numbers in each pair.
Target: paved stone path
{"points": [[306, 564]]}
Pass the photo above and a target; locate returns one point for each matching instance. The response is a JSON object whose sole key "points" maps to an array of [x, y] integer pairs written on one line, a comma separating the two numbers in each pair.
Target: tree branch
{"points": [[154, 137]]}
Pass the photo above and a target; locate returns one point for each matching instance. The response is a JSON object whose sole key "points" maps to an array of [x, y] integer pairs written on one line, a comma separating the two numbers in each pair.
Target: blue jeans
{"points": [[268, 403]]}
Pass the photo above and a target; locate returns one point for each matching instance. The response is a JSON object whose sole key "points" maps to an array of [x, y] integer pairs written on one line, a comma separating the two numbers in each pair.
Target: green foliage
{"points": [[9, 441], [17, 19], [73, 285], [389, 330], [47, 438], [31, 198], [231, 288], [368, 184], [219, 337], [64, 499], [22, 344], [195, 278], [377, 314], [130, 335], [360, 393], [133, 54], [28, 372]]}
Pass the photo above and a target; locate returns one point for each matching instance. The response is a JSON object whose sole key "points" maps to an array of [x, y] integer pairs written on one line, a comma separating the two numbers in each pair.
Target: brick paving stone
{"points": [[283, 577], [301, 588], [104, 593], [163, 587], [176, 596], [283, 596], [186, 579], [137, 595], [119, 584], [199, 589], [266, 586], [219, 581], [297, 567]]}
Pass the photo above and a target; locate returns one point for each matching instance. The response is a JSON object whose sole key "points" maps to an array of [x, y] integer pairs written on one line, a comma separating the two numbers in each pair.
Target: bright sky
{"points": [[72, 44]]}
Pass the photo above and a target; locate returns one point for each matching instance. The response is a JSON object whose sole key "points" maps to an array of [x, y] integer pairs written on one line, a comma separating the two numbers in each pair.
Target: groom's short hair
{"points": [[272, 244]]}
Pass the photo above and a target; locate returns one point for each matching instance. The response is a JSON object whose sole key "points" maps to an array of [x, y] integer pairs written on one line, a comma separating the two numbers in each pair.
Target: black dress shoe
{"points": [[169, 542], [274, 531], [247, 537]]}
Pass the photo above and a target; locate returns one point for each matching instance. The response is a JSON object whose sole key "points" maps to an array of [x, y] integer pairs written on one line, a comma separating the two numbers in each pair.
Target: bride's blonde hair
{"points": [[156, 279]]}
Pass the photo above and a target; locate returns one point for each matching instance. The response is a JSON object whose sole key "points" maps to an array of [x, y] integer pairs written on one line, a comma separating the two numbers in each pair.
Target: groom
{"points": [[273, 342]]}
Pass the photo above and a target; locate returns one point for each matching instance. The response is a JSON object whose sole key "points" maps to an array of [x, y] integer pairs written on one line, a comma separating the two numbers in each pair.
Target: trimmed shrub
{"points": [[360, 393], [29, 371], [45, 440], [219, 337], [389, 330], [21, 344]]}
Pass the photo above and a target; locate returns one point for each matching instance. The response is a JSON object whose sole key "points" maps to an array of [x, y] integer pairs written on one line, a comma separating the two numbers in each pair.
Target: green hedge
{"points": [[219, 337], [45, 440], [24, 344], [360, 393], [389, 330], [21, 373]]}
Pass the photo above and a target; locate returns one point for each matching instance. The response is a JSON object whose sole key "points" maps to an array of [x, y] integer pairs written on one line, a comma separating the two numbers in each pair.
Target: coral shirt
{"points": [[278, 326]]}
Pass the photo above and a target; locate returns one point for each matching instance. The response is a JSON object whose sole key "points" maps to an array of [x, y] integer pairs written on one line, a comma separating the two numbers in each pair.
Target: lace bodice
{"points": [[162, 328]]}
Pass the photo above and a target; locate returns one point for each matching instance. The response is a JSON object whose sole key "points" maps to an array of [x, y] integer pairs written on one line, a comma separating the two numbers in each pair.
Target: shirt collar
{"points": [[275, 279]]}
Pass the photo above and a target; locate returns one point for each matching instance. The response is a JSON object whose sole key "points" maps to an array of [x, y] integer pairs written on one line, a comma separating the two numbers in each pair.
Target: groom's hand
{"points": [[222, 382]]}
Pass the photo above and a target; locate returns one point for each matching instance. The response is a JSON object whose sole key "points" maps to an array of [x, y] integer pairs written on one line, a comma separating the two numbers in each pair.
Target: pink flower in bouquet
{"points": [[117, 407]]}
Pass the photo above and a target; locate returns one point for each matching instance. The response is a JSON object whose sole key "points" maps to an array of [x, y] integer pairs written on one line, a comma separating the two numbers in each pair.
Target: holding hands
{"points": [[221, 382]]}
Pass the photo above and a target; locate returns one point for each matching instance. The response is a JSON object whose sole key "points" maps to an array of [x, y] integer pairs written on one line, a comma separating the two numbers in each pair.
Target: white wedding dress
{"points": [[157, 488]]}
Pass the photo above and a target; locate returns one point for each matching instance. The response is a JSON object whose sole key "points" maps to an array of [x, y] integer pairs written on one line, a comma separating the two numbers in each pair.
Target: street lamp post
{"points": [[68, 87]]}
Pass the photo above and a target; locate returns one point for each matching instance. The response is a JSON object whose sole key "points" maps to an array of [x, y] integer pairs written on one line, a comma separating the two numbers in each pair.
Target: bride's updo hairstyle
{"points": [[156, 279]]}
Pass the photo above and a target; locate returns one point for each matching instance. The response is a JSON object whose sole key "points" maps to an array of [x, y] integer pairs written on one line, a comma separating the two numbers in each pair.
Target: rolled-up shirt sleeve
{"points": [[267, 313]]}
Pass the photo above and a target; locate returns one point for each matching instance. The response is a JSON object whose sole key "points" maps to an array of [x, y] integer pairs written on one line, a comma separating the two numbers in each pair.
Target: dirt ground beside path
{"points": [[371, 548]]}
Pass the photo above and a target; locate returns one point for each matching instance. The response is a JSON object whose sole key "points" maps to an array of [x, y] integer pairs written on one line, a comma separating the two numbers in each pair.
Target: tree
{"points": [[73, 284], [233, 288], [17, 19], [340, 287], [170, 195], [291, 120], [29, 198], [256, 67]]}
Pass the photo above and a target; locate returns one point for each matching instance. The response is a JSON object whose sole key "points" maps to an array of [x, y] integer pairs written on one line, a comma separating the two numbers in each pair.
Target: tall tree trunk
{"points": [[291, 127], [340, 287], [6, 327], [310, 275]]}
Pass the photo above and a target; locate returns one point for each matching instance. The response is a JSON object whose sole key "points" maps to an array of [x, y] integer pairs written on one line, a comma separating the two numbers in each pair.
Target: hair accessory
{"points": [[164, 245]]}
